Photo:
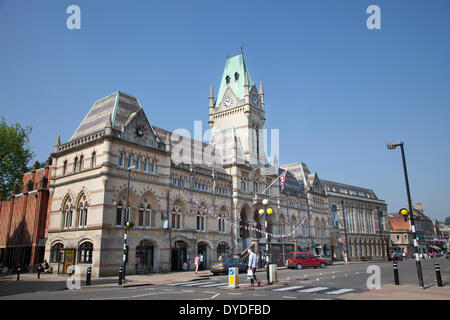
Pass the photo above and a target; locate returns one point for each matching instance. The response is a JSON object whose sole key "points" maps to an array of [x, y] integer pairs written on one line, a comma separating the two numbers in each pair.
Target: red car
{"points": [[447, 256], [302, 260]]}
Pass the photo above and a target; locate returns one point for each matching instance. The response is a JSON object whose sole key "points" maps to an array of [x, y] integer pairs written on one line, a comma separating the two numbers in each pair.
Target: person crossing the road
{"points": [[252, 265]]}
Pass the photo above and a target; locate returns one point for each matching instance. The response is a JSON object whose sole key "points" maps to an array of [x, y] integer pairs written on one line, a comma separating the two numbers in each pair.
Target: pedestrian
{"points": [[252, 265], [404, 255], [197, 262], [201, 261]]}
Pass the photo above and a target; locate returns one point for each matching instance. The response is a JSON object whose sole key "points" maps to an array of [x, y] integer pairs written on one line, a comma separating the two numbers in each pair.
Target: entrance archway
{"points": [[179, 255], [144, 257], [203, 249], [223, 250]]}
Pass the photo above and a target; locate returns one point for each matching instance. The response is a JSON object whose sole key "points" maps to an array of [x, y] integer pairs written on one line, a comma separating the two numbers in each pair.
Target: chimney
{"points": [[419, 206]]}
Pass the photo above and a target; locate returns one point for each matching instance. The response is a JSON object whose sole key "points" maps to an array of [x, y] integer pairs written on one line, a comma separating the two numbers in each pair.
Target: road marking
{"points": [[215, 295], [187, 290], [144, 295], [196, 284], [318, 279], [213, 285], [287, 297], [289, 288], [176, 284], [235, 293], [313, 289], [340, 291]]}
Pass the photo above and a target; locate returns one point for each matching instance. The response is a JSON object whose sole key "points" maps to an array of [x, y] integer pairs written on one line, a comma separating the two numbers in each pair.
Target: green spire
{"points": [[234, 65]]}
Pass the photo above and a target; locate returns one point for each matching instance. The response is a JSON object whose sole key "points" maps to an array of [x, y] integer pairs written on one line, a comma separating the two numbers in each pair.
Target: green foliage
{"points": [[447, 221], [15, 153]]}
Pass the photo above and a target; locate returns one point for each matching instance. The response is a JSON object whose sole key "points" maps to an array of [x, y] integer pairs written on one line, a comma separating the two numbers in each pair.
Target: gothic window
{"points": [[68, 212], [121, 160], [75, 165], [152, 166], [236, 76], [227, 79], [65, 167], [138, 163], [81, 163], [119, 213], [255, 187], [85, 252], [141, 216], [93, 160], [148, 216], [176, 218], [334, 216], [82, 212], [130, 161], [201, 221], [145, 165]]}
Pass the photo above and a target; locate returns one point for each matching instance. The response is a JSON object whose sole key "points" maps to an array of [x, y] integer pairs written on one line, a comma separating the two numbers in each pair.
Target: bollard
{"points": [[120, 275], [397, 282], [88, 276], [438, 274], [39, 272], [233, 278], [18, 274]]}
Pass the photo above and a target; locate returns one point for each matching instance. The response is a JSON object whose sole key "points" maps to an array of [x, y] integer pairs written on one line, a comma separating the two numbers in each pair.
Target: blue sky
{"points": [[336, 90]]}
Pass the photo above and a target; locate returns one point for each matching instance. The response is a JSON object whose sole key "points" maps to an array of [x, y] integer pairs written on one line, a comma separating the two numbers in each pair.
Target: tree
{"points": [[447, 221], [15, 153]]}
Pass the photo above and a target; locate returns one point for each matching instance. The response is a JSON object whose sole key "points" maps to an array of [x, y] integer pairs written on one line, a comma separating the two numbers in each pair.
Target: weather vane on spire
{"points": [[242, 48]]}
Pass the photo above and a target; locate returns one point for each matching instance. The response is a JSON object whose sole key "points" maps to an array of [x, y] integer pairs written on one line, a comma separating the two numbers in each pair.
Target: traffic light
{"points": [[404, 213], [129, 224]]}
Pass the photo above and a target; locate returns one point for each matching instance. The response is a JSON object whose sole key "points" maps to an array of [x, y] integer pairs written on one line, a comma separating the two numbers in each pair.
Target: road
{"points": [[307, 284]]}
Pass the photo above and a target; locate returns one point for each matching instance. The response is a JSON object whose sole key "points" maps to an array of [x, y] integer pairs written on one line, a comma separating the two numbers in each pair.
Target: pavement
{"points": [[51, 282]]}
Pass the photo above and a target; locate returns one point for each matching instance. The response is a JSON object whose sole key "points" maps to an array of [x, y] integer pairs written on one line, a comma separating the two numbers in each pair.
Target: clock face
{"points": [[255, 99], [228, 101]]}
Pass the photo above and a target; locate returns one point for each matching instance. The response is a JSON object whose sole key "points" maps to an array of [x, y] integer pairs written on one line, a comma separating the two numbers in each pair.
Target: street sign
{"points": [[233, 277]]}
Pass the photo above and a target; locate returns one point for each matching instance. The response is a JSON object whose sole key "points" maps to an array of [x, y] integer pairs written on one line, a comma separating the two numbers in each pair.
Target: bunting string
{"points": [[239, 226]]}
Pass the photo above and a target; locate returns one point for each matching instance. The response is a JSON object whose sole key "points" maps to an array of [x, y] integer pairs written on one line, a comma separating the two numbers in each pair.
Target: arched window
{"points": [[93, 160], [176, 218], [201, 220], [145, 165], [334, 216], [138, 163], [148, 216], [130, 161], [56, 253], [81, 163], [119, 213], [65, 168], [152, 166], [141, 216], [82, 212], [227, 79], [67, 214], [121, 160], [85, 252], [75, 165], [222, 216], [236, 76], [282, 225]]}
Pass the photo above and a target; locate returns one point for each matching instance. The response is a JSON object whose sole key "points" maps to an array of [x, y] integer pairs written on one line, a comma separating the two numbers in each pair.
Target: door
{"points": [[69, 259]]}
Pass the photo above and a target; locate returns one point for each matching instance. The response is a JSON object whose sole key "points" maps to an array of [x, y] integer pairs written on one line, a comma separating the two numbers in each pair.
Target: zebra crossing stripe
{"points": [[340, 291], [176, 284], [315, 289], [289, 288], [196, 284], [213, 285]]}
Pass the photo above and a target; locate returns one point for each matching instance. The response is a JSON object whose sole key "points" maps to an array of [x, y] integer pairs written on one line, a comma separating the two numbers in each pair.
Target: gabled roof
{"points": [[336, 187], [235, 64], [117, 106], [292, 186], [399, 223]]}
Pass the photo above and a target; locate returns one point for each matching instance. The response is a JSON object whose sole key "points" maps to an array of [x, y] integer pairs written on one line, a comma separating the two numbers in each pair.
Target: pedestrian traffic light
{"points": [[129, 224], [404, 213]]}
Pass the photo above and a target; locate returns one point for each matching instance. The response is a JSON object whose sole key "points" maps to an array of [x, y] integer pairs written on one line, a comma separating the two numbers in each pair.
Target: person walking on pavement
{"points": [[252, 265], [197, 262]]}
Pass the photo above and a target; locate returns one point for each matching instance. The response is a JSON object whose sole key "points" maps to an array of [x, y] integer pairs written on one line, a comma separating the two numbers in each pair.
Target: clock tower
{"points": [[239, 110]]}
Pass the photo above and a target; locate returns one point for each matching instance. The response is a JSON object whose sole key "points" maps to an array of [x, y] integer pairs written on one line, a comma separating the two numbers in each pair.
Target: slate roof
{"points": [[117, 106], [292, 186], [349, 190]]}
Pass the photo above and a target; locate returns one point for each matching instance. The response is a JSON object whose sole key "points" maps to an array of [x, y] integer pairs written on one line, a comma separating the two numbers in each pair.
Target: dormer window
{"points": [[236, 76], [227, 79]]}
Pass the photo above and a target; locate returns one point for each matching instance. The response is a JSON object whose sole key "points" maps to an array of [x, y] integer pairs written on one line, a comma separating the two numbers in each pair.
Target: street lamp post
{"points": [[266, 211], [392, 146], [127, 225], [345, 231]]}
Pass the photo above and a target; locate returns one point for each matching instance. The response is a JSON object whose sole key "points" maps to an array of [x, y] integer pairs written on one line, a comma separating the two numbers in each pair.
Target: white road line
{"points": [[196, 284], [214, 285], [235, 293], [289, 288], [144, 295], [215, 295], [313, 289], [340, 291], [176, 284], [286, 297]]}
